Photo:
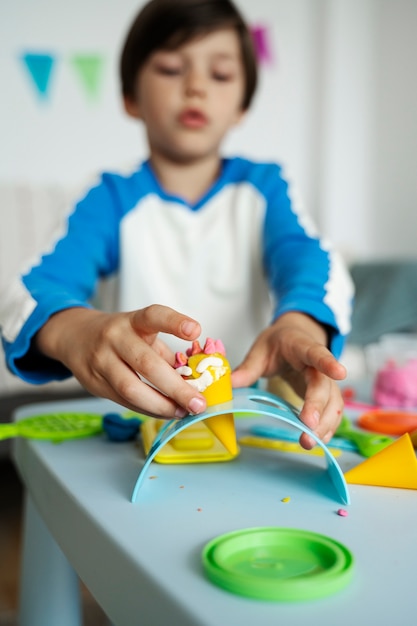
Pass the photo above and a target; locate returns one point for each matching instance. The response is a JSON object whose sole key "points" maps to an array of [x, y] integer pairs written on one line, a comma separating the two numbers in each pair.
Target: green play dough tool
{"points": [[54, 426], [283, 564], [367, 443]]}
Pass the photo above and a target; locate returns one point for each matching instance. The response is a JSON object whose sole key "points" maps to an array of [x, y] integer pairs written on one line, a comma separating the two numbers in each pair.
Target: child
{"points": [[217, 243]]}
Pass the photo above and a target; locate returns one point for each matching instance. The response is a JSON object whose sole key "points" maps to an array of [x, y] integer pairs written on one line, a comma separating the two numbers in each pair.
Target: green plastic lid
{"points": [[278, 563]]}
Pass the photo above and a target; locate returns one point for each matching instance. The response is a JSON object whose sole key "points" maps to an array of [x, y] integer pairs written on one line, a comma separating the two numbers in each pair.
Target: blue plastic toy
{"points": [[257, 403]]}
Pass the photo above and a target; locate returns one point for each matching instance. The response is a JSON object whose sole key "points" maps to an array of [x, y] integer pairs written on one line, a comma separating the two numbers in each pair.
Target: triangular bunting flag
{"points": [[89, 68], [40, 68], [394, 466], [260, 36]]}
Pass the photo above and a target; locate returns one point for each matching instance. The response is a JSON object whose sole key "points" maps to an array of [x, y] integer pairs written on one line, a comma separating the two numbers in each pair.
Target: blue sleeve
{"points": [[66, 277], [304, 273]]}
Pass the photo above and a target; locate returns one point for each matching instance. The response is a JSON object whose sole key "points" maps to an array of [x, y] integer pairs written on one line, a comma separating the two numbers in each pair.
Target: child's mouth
{"points": [[193, 118]]}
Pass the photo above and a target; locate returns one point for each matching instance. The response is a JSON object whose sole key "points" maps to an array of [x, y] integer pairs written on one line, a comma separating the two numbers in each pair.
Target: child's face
{"points": [[190, 97]]}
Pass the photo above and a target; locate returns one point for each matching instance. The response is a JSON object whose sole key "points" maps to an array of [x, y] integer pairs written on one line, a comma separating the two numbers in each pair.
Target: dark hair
{"points": [[171, 23]]}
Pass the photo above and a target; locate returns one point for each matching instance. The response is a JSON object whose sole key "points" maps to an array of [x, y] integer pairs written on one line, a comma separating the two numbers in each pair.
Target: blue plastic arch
{"points": [[246, 401]]}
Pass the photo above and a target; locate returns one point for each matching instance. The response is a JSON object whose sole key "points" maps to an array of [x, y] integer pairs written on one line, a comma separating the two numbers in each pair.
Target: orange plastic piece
{"points": [[389, 422], [394, 466]]}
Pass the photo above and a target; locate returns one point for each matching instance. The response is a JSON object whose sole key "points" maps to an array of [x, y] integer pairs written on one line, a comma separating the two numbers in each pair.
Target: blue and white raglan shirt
{"points": [[238, 258]]}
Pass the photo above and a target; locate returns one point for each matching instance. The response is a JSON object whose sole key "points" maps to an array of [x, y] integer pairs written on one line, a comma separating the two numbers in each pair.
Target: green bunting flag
{"points": [[89, 69]]}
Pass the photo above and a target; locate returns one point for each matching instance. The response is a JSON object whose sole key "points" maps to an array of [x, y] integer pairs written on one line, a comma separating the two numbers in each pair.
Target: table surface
{"points": [[142, 560]]}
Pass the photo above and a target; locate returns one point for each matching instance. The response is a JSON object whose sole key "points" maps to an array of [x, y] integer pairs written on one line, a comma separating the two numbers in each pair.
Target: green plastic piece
{"points": [[367, 443], [282, 564], [54, 426]]}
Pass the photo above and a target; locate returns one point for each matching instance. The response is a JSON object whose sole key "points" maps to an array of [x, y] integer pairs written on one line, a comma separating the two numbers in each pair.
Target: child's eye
{"points": [[222, 77], [170, 71], [166, 70]]}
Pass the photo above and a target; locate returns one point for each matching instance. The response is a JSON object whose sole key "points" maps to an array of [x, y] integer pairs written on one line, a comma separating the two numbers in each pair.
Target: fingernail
{"points": [[327, 437], [197, 405], [180, 413], [188, 327], [310, 442], [316, 419]]}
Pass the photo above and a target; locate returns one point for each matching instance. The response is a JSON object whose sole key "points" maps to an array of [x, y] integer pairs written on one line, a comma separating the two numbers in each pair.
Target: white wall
{"points": [[348, 129], [66, 137], [395, 154], [368, 183], [337, 107]]}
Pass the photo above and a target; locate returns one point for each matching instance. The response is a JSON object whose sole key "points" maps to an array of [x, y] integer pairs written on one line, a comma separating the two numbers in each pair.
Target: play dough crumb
{"points": [[286, 499], [342, 512], [199, 509]]}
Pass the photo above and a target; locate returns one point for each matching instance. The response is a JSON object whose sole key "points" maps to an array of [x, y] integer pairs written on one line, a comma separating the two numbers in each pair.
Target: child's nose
{"points": [[195, 84]]}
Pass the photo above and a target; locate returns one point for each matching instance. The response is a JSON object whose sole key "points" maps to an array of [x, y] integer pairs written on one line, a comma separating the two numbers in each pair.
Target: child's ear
{"points": [[132, 107]]}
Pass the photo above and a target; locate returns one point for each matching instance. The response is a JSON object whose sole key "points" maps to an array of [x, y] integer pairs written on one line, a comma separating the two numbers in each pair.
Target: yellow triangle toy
{"points": [[394, 466]]}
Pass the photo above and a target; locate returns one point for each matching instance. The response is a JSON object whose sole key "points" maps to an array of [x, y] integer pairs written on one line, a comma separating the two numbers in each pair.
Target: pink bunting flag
{"points": [[261, 40]]}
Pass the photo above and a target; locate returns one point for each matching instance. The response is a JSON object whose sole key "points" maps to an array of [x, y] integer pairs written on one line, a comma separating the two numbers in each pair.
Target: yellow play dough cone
{"points": [[222, 426], [394, 466]]}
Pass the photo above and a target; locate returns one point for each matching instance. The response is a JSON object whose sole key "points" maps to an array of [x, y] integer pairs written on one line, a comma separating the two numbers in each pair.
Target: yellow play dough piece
{"points": [[282, 389], [394, 466], [195, 444], [222, 426]]}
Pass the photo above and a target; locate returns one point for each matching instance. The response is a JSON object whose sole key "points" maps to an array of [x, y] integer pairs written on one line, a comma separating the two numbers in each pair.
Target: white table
{"points": [[142, 560]]}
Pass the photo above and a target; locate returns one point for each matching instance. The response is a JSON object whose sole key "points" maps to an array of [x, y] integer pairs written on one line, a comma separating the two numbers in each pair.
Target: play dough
{"points": [[208, 370], [396, 385]]}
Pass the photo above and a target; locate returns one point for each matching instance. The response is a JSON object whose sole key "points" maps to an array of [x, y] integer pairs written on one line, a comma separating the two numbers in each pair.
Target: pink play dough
{"points": [[396, 386]]}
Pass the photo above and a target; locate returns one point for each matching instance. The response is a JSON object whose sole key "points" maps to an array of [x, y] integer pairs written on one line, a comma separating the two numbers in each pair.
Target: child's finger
{"points": [[171, 384], [318, 357], [157, 318], [130, 391], [322, 409]]}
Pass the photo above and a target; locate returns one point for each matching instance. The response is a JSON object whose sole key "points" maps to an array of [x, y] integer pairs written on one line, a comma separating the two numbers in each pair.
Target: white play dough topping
{"points": [[202, 382], [210, 361], [184, 370]]}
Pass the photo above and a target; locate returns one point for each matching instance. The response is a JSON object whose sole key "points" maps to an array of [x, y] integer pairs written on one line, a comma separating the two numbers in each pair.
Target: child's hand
{"points": [[295, 348], [104, 351]]}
